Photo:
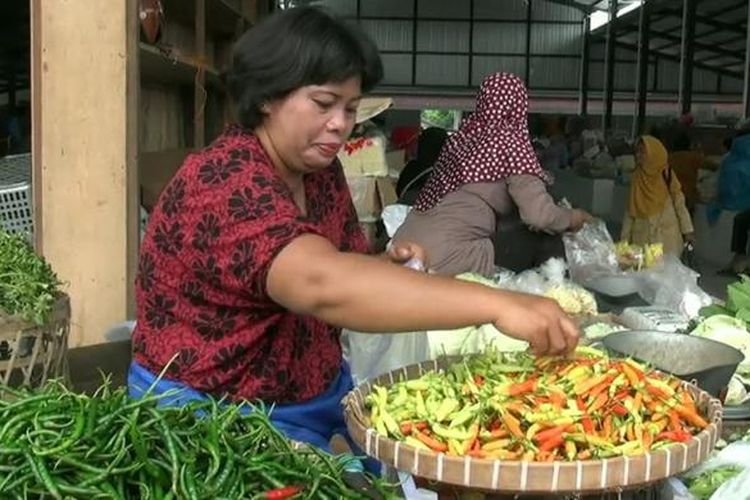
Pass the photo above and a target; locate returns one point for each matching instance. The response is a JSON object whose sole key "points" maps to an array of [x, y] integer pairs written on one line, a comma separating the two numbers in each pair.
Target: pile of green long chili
{"points": [[55, 443]]}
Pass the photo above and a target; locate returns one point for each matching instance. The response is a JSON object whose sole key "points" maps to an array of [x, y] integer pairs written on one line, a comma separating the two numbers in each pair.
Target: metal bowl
{"points": [[709, 363], [615, 286]]}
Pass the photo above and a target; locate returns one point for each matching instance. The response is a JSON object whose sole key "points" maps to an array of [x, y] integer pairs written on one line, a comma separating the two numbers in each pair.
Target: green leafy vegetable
{"points": [[703, 486], [27, 283]]}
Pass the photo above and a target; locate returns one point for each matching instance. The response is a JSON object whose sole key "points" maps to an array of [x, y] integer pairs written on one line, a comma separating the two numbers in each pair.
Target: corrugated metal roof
{"points": [[720, 33]]}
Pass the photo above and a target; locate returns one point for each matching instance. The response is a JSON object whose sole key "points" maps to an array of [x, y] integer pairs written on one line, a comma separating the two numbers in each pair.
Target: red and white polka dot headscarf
{"points": [[491, 145]]}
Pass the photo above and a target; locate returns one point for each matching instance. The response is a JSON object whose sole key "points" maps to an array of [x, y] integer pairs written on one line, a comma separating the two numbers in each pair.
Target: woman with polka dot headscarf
{"points": [[486, 174]]}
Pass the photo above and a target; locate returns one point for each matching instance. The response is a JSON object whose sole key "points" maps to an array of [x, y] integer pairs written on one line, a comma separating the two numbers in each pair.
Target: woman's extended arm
{"points": [[310, 276]]}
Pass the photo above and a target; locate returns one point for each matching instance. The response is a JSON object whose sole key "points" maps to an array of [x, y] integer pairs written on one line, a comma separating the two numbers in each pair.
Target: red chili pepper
{"points": [[622, 395], [283, 493], [522, 388], [620, 410], [598, 403], [548, 434], [552, 443], [479, 380], [678, 436]]}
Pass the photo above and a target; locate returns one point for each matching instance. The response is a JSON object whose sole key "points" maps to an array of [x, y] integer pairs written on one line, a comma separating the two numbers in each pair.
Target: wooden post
{"points": [[200, 97], [84, 142]]}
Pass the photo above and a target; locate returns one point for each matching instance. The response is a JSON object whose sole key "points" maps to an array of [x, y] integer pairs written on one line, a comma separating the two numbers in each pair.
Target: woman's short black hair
{"points": [[294, 48]]}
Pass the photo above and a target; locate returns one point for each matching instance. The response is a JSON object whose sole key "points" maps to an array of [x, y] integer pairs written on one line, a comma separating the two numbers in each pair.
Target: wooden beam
{"points": [[84, 139]]}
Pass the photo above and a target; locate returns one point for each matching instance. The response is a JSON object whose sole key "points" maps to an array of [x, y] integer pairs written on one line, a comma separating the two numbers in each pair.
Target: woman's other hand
{"points": [[403, 252], [540, 322], [578, 218]]}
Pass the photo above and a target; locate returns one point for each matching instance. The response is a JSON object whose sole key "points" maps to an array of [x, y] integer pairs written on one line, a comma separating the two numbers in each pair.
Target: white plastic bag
{"points": [[394, 216], [674, 286], [373, 354]]}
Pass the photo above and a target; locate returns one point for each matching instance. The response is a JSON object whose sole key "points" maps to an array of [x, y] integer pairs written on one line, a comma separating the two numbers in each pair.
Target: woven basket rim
{"points": [[463, 471]]}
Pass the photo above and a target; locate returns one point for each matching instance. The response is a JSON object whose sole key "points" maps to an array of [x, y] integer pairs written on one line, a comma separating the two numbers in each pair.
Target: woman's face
{"points": [[309, 126], [640, 153]]}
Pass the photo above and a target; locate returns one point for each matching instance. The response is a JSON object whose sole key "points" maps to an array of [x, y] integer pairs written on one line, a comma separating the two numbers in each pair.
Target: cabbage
{"points": [[471, 340], [736, 392], [730, 331]]}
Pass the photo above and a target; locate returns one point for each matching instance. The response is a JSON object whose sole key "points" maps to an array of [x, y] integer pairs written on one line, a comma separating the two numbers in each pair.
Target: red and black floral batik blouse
{"points": [[201, 288]]}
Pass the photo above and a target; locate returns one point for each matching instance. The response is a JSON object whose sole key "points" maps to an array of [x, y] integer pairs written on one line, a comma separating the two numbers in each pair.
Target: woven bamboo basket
{"points": [[31, 354], [515, 477]]}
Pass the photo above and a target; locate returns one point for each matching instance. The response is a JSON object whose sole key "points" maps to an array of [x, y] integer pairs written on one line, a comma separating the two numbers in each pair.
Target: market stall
{"points": [[467, 421]]}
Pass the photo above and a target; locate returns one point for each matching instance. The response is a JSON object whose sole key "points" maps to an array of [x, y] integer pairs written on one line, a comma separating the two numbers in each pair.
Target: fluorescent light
{"points": [[600, 17]]}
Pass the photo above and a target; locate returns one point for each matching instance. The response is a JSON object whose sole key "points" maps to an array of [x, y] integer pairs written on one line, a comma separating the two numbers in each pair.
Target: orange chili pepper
{"points": [[548, 434], [630, 433], [598, 403], [522, 387], [407, 426], [512, 424], [552, 443], [656, 391], [674, 421], [557, 399], [601, 387], [477, 445], [687, 400], [498, 433], [477, 454], [470, 442], [619, 410], [637, 402], [631, 374], [607, 427], [432, 443], [691, 416], [677, 436], [588, 425]]}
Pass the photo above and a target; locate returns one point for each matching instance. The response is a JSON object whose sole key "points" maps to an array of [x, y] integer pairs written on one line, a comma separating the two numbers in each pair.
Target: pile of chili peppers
{"points": [[58, 444], [512, 406]]}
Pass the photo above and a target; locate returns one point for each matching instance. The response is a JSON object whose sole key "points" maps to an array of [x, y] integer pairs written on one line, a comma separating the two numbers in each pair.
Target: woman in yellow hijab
{"points": [[656, 212]]}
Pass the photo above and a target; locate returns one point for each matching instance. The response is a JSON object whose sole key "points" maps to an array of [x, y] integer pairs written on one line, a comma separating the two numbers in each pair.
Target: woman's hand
{"points": [[578, 218], [403, 252], [539, 321]]}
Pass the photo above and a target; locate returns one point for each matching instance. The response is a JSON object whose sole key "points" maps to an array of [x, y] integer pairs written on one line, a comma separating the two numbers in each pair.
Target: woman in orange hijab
{"points": [[656, 212]]}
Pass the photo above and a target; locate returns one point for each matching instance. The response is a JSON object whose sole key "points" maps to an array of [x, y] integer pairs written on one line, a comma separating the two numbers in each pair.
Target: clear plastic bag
{"points": [[590, 252], [674, 286]]}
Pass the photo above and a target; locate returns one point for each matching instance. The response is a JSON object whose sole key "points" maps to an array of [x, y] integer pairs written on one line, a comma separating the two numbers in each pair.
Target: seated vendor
{"points": [[254, 260], [487, 172]]}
